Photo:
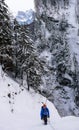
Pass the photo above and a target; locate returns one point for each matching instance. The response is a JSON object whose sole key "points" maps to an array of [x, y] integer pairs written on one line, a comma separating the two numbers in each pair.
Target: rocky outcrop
{"points": [[57, 44]]}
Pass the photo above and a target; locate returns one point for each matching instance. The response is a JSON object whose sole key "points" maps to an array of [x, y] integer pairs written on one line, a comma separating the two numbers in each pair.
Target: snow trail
{"points": [[21, 111]]}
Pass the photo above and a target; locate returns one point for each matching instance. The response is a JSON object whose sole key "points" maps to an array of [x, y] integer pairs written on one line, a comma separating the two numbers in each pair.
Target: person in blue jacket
{"points": [[44, 113]]}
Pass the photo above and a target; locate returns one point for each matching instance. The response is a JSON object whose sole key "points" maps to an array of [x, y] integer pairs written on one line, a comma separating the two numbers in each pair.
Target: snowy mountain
{"points": [[44, 53], [20, 109], [25, 17]]}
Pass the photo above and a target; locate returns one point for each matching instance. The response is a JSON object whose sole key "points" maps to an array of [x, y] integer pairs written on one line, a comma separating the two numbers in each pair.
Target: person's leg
{"points": [[45, 120]]}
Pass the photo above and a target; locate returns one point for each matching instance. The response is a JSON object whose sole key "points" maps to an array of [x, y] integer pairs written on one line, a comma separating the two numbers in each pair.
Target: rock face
{"points": [[57, 43]]}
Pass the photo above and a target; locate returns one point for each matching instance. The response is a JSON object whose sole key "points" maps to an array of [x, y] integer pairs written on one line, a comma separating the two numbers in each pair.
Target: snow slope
{"points": [[20, 109]]}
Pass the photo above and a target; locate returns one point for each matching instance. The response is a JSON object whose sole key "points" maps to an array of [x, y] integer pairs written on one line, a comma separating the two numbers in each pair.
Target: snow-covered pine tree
{"points": [[5, 35], [26, 61], [16, 47]]}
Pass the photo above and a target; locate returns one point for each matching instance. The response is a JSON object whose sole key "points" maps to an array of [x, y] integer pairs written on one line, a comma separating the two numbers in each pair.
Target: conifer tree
{"points": [[27, 62], [5, 35], [5, 24]]}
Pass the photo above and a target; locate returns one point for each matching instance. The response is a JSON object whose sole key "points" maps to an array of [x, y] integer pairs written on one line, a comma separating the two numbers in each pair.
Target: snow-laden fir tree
{"points": [[26, 62], [5, 36]]}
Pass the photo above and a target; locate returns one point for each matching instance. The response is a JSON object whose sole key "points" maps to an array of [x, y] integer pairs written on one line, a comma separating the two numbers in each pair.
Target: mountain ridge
{"points": [[26, 17]]}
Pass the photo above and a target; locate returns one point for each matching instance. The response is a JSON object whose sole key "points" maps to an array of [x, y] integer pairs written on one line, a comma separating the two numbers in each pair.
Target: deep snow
{"points": [[20, 109]]}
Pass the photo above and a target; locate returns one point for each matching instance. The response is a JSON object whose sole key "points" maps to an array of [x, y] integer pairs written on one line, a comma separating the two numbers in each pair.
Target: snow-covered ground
{"points": [[20, 109]]}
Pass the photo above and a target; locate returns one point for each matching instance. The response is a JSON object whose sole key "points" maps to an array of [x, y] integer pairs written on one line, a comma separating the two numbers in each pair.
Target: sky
{"points": [[21, 111], [22, 5]]}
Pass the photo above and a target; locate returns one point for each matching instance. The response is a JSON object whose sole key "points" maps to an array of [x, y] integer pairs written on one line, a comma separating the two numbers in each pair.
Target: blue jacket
{"points": [[44, 112]]}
